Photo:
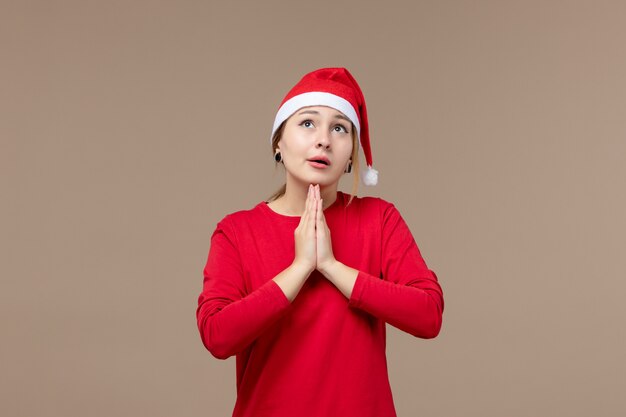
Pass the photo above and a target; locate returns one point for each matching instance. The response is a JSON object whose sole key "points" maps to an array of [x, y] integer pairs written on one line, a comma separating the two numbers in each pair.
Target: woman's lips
{"points": [[317, 165]]}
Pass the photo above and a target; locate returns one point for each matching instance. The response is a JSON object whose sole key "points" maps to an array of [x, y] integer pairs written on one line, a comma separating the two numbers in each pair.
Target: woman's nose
{"points": [[323, 140], [322, 145]]}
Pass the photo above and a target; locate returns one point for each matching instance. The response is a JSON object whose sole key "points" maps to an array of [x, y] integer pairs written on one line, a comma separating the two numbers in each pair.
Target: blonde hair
{"points": [[355, 162]]}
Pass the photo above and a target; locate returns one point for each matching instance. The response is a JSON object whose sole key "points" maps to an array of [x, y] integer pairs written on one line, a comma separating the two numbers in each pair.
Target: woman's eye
{"points": [[340, 128], [307, 123]]}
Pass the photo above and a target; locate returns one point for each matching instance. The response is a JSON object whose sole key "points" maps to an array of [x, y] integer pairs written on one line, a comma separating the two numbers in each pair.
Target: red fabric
{"points": [[322, 355]]}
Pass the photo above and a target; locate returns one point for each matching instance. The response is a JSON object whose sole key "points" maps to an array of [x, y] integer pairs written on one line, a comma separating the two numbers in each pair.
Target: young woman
{"points": [[300, 287]]}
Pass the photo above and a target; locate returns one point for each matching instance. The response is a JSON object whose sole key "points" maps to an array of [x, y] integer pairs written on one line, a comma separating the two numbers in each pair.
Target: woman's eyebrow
{"points": [[337, 116], [308, 112]]}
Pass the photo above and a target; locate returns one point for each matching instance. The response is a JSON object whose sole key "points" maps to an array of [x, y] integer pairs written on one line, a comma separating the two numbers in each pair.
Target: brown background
{"points": [[129, 128]]}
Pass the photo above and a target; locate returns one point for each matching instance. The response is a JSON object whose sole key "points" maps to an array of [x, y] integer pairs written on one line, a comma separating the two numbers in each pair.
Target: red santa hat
{"points": [[336, 88]]}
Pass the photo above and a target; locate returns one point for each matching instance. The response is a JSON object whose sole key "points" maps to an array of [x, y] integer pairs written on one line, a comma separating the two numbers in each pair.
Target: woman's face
{"points": [[316, 133]]}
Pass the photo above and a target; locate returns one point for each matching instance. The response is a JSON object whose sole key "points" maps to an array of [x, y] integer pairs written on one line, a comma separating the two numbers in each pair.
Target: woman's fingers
{"points": [[308, 211], [320, 221], [324, 251], [319, 215], [304, 236], [319, 205], [312, 210], [307, 203]]}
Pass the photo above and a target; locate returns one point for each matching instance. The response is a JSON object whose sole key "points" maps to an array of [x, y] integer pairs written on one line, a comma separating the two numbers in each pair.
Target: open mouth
{"points": [[320, 161]]}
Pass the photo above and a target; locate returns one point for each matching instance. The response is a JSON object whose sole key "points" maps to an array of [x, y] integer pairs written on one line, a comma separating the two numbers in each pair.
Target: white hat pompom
{"points": [[369, 176]]}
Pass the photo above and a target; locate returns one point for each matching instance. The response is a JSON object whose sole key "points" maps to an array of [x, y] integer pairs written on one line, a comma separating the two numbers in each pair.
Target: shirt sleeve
{"points": [[408, 296], [229, 319]]}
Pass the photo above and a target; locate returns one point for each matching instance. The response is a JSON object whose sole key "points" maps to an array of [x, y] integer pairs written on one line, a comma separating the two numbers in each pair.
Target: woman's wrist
{"points": [[340, 275], [327, 269], [302, 268]]}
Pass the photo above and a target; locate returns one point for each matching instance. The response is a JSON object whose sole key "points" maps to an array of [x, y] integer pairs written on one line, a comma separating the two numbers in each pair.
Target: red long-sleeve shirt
{"points": [[322, 354]]}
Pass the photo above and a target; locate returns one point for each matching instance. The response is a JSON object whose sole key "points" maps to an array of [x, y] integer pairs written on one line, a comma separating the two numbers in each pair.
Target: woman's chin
{"points": [[321, 180]]}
